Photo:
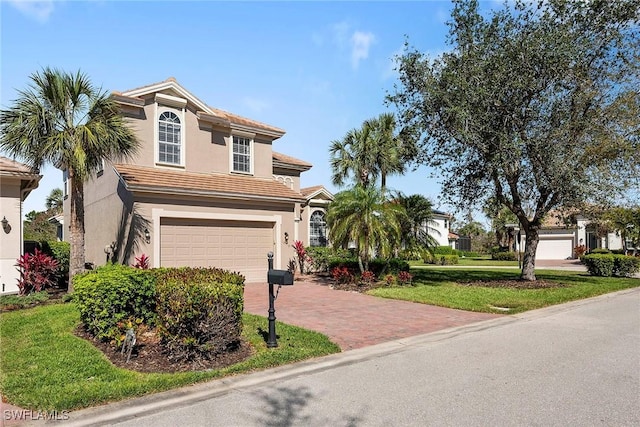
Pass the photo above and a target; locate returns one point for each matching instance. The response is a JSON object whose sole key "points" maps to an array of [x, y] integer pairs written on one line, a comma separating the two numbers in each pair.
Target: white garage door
{"points": [[240, 246], [557, 248]]}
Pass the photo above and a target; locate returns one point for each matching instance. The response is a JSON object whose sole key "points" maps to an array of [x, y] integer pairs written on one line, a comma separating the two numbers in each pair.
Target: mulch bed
{"points": [[148, 355]]}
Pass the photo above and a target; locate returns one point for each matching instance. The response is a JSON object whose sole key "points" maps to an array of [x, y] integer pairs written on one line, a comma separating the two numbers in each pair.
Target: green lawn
{"points": [[440, 286], [46, 367]]}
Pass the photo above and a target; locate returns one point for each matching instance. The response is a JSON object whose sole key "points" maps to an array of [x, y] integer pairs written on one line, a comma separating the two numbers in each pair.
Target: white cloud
{"points": [[360, 44], [40, 10]]}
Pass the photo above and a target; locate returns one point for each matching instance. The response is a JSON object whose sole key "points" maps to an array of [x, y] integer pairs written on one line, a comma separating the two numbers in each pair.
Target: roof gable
{"points": [[316, 192]]}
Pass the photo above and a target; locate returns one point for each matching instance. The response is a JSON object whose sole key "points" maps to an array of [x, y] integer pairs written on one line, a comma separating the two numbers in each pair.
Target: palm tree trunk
{"points": [[76, 231], [530, 246]]}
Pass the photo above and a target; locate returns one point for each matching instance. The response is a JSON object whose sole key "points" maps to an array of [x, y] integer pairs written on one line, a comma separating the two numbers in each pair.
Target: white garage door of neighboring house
{"points": [[555, 248], [240, 246]]}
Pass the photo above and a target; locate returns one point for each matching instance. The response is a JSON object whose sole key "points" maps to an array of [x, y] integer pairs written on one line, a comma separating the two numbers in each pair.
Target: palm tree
{"points": [[417, 226], [364, 217], [368, 152], [388, 147], [354, 155], [62, 119], [54, 201]]}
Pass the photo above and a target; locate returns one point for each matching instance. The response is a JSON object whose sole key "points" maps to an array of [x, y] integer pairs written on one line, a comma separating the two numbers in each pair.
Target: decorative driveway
{"points": [[353, 320]]}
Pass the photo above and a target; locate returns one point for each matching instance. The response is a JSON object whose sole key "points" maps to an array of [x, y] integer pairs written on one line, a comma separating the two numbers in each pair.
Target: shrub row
{"points": [[321, 258], [198, 311], [376, 266], [504, 256], [114, 297], [611, 265], [440, 259]]}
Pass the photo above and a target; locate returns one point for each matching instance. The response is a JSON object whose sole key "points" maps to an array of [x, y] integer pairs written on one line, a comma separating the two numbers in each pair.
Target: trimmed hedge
{"points": [[445, 250], [323, 257], [199, 311], [606, 264], [447, 259], [504, 256], [111, 297]]}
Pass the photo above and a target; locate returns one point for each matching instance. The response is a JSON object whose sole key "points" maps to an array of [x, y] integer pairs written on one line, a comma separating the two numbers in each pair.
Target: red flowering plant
{"points": [[404, 277], [142, 262], [37, 272], [301, 253], [341, 275], [367, 277]]}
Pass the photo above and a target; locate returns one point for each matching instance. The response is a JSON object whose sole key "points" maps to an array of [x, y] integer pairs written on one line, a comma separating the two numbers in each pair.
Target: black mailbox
{"points": [[280, 277]]}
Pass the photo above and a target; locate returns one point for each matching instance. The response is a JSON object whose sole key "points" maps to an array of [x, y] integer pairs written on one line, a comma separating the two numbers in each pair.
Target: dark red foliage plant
{"points": [[37, 272]]}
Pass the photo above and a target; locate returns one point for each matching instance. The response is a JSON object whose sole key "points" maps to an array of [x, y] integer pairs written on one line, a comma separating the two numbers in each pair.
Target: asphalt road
{"points": [[572, 365]]}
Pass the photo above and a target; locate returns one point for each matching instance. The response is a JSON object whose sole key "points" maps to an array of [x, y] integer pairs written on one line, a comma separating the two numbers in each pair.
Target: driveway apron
{"points": [[353, 320]]}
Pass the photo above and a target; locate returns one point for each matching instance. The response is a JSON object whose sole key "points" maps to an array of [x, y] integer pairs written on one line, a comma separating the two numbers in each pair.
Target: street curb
{"points": [[189, 395]]}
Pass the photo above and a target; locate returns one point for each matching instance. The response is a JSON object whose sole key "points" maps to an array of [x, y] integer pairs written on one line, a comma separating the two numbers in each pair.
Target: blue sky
{"points": [[315, 69]]}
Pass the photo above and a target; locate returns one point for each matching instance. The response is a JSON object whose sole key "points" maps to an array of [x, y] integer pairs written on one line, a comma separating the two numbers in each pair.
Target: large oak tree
{"points": [[535, 105]]}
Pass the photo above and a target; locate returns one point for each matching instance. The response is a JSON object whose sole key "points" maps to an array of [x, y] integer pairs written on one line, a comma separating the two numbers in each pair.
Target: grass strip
{"points": [[444, 287], [46, 367]]}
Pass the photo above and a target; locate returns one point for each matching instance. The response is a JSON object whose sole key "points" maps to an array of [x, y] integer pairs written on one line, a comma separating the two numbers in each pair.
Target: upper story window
{"points": [[169, 138], [318, 229], [241, 154]]}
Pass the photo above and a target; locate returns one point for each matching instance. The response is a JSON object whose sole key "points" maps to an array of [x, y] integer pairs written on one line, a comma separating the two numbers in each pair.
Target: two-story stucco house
{"points": [[205, 189]]}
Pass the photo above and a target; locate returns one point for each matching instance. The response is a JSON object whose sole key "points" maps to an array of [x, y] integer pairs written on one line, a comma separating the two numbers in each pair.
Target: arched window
{"points": [[169, 141], [317, 229]]}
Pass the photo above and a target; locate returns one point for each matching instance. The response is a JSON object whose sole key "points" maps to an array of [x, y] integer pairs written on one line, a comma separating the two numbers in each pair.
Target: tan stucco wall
{"points": [[11, 242], [206, 148]]}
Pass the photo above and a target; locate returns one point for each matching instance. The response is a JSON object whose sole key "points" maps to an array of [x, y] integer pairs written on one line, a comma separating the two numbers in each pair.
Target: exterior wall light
{"points": [[5, 225], [147, 236]]}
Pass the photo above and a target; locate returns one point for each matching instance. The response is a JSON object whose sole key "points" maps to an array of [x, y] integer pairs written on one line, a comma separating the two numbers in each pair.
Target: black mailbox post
{"points": [[280, 278]]}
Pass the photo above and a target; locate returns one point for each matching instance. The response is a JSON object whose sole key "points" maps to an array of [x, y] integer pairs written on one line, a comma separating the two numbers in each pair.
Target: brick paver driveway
{"points": [[354, 320]]}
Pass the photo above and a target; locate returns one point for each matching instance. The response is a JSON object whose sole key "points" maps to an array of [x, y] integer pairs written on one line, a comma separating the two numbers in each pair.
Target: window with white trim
{"points": [[241, 154], [169, 138], [317, 229], [65, 183]]}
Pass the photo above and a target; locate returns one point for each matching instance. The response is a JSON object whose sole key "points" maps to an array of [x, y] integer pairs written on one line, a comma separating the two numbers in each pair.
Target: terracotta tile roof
{"points": [[13, 167], [453, 235], [290, 160], [208, 184], [234, 118], [309, 190], [559, 218]]}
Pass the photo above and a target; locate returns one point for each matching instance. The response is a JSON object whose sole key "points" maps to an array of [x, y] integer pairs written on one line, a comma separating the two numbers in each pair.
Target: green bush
{"points": [[378, 266], [600, 251], [625, 266], [469, 254], [447, 259], [445, 250], [60, 251], [199, 311], [322, 257], [427, 257], [111, 297], [504, 256], [411, 254], [599, 264]]}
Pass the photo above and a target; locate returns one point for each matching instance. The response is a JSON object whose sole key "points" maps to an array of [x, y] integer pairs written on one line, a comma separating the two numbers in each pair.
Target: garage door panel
{"points": [[556, 248], [240, 246]]}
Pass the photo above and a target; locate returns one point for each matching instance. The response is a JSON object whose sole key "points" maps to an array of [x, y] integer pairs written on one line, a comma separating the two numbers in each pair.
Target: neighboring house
{"points": [[439, 229], [17, 180], [58, 221], [558, 237], [205, 189]]}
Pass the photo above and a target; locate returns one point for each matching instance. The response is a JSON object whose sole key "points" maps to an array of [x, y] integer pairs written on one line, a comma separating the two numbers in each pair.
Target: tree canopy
{"points": [[535, 106]]}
